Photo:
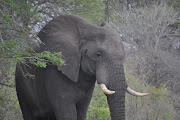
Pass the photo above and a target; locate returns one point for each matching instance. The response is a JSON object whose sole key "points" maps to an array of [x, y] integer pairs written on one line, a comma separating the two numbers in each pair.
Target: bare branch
{"points": [[3, 84], [2, 41]]}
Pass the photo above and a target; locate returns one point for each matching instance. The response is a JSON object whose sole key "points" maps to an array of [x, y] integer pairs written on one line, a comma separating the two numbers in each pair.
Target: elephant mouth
{"points": [[128, 90]]}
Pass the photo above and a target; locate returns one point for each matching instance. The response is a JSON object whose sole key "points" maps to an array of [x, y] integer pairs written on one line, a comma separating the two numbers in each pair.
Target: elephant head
{"points": [[96, 50]]}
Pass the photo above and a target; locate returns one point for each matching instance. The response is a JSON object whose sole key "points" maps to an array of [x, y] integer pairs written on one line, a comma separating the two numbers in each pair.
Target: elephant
{"points": [[91, 53]]}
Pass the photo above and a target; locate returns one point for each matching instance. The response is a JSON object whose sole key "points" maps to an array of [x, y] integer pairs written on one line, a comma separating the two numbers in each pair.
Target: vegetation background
{"points": [[150, 30]]}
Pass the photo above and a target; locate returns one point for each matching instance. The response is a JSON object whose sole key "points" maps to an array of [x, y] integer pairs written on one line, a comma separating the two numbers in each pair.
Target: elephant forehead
{"points": [[113, 46], [113, 42], [112, 39], [96, 37]]}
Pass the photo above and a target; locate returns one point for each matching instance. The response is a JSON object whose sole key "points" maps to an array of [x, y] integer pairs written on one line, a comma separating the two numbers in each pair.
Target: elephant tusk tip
{"points": [[132, 92], [111, 92], [146, 94]]}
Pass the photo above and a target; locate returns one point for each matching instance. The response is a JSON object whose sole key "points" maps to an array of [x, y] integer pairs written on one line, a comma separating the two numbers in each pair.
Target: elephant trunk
{"points": [[113, 77], [116, 101], [117, 106]]}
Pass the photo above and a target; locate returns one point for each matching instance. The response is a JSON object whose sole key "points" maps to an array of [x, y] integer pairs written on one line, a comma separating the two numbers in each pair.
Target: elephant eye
{"points": [[98, 54]]}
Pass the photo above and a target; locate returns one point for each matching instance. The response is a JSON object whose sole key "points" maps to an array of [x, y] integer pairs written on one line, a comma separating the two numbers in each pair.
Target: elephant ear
{"points": [[62, 34]]}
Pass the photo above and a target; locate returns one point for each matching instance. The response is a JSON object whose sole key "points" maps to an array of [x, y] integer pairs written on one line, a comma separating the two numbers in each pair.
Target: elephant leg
{"points": [[44, 115], [25, 107], [82, 105], [50, 117], [66, 111], [26, 111]]}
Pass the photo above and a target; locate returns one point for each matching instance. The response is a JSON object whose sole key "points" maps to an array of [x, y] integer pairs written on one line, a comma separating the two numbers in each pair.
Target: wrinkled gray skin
{"points": [[63, 92]]}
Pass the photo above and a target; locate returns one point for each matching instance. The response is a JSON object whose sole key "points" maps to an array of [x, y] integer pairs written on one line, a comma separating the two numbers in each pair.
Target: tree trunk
{"points": [[107, 12]]}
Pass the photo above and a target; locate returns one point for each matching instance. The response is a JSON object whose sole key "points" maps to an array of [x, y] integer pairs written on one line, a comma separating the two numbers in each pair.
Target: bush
{"points": [[158, 105], [9, 105], [98, 108]]}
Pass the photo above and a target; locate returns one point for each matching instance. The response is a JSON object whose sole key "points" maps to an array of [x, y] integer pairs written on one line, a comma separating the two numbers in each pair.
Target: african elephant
{"points": [[64, 92]]}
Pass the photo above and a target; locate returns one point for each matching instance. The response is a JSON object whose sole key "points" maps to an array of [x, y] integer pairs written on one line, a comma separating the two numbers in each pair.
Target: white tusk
{"points": [[105, 90], [132, 92]]}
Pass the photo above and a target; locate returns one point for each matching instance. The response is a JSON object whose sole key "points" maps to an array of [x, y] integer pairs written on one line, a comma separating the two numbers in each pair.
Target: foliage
{"points": [[158, 105], [152, 36], [92, 11], [175, 3], [10, 50], [17, 39], [9, 106], [98, 109]]}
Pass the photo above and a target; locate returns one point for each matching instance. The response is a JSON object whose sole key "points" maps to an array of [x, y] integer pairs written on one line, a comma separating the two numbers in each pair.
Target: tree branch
{"points": [[3, 84], [2, 41]]}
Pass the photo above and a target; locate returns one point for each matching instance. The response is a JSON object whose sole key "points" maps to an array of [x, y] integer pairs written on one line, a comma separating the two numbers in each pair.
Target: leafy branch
{"points": [[10, 50]]}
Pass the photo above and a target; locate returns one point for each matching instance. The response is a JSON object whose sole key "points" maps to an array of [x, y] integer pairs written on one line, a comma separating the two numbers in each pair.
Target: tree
{"points": [[17, 39], [152, 37]]}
